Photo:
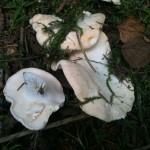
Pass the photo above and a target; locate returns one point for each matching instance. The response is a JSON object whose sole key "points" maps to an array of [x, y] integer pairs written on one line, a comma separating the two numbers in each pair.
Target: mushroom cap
{"points": [[116, 2], [110, 98], [94, 21], [90, 25], [38, 22], [34, 95], [88, 39]]}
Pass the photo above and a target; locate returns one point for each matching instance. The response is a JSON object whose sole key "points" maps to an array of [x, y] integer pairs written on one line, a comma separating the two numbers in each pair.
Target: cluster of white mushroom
{"points": [[37, 94]]}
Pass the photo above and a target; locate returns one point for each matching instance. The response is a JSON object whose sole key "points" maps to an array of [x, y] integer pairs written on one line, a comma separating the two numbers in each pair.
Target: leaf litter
{"points": [[136, 48], [136, 52], [132, 45]]}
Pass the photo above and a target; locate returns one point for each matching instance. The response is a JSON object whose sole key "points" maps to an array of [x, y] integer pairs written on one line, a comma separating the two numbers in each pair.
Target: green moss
{"points": [[129, 133]]}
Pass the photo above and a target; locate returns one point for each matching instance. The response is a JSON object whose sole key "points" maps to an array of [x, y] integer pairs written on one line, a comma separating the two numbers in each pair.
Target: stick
{"points": [[61, 7], [144, 148], [51, 125], [85, 56], [17, 59]]}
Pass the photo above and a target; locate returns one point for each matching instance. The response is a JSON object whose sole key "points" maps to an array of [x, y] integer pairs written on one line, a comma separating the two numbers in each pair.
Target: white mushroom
{"points": [[116, 2], [102, 94], [34, 95], [39, 22], [90, 25], [94, 21]]}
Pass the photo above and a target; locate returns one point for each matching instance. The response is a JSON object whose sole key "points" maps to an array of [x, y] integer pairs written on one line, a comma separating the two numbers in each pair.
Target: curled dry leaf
{"points": [[130, 29], [136, 52]]}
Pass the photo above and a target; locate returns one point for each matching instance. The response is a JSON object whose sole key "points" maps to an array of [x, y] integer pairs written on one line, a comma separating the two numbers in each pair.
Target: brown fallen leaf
{"points": [[130, 29], [136, 52]]}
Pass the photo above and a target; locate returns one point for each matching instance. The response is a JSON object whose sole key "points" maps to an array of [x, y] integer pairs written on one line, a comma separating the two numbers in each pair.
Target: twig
{"points": [[148, 3], [51, 125], [85, 56], [1, 19], [16, 59], [143, 148], [21, 35], [61, 6]]}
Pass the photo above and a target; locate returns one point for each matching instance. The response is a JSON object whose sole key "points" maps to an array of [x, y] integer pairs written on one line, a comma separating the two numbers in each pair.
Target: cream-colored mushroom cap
{"points": [[90, 24], [94, 21], [87, 39], [102, 95], [116, 2], [39, 22], [34, 95]]}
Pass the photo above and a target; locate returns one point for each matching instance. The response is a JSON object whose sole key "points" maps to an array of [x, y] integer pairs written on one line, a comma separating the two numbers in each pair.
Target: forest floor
{"points": [[69, 128]]}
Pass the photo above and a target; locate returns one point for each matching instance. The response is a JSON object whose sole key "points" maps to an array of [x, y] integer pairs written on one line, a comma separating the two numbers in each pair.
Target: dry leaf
{"points": [[11, 49], [136, 52], [130, 29], [146, 39]]}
